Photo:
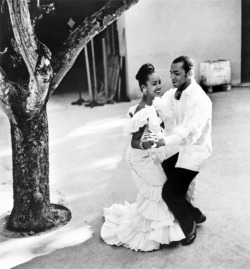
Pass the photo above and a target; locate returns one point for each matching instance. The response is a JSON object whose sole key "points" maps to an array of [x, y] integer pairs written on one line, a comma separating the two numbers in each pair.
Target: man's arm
{"points": [[171, 140], [192, 128], [197, 119]]}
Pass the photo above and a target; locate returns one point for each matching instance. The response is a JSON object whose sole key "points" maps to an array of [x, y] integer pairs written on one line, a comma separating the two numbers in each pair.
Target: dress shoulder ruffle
{"points": [[135, 120], [145, 116]]}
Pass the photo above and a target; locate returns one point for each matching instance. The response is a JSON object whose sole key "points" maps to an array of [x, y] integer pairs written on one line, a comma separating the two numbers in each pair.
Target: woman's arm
{"points": [[136, 142]]}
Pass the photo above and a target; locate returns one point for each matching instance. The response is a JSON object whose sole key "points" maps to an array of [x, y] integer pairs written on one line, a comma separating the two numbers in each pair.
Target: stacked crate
{"points": [[215, 73]]}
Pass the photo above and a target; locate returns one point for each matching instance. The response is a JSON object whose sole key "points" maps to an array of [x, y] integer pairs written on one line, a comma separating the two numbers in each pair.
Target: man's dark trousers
{"points": [[174, 193]]}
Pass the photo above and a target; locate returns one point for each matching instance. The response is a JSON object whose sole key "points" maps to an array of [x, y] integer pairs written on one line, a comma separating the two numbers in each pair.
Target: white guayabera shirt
{"points": [[187, 125]]}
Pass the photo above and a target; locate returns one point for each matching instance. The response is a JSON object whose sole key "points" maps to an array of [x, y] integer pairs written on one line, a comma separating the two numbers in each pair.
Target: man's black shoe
{"points": [[201, 219], [189, 237]]}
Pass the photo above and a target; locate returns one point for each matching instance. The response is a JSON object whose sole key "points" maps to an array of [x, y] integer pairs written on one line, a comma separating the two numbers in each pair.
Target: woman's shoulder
{"points": [[137, 119], [139, 116], [131, 111], [140, 110]]}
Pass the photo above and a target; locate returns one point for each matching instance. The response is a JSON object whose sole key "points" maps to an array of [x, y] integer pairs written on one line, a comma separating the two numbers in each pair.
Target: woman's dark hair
{"points": [[144, 71], [188, 63]]}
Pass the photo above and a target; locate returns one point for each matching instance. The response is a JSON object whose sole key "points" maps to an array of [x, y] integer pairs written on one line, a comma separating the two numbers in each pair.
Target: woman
{"points": [[148, 222]]}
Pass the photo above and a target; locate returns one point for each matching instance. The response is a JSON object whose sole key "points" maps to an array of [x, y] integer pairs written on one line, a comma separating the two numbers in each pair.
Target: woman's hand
{"points": [[154, 139], [150, 137]]}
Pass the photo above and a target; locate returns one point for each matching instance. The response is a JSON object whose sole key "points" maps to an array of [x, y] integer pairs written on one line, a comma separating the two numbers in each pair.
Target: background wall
{"points": [[158, 31]]}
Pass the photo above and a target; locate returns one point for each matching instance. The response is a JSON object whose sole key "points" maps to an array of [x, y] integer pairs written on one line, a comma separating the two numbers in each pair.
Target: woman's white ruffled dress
{"points": [[147, 223]]}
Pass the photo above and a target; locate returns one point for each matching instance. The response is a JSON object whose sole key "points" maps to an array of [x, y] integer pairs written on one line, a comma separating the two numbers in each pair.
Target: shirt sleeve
{"points": [[196, 121], [173, 140]]}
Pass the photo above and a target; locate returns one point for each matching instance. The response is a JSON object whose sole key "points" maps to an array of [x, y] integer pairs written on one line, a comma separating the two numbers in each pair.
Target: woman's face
{"points": [[153, 86]]}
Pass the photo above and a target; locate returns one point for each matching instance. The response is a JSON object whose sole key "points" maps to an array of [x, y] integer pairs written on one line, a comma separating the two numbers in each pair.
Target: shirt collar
{"points": [[189, 88]]}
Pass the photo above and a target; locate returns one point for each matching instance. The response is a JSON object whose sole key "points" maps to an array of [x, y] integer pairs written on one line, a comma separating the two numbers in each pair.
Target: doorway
{"points": [[245, 41]]}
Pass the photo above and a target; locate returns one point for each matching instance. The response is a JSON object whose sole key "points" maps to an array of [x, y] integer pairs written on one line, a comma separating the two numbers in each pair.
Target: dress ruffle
{"points": [[141, 226], [125, 225], [146, 116]]}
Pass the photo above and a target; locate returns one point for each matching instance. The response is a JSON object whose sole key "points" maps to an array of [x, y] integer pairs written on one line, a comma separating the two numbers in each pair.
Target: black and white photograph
{"points": [[124, 134]]}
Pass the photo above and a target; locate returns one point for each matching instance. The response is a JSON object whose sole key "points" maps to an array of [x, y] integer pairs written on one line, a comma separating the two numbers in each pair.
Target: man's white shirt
{"points": [[187, 125]]}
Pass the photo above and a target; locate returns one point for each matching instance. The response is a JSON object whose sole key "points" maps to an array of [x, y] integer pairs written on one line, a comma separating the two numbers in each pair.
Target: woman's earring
{"points": [[144, 91]]}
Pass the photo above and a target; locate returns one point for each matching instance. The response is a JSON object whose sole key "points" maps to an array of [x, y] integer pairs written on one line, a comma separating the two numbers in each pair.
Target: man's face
{"points": [[178, 75]]}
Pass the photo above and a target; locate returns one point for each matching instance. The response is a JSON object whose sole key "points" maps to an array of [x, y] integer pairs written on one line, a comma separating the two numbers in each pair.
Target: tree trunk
{"points": [[25, 105], [32, 210]]}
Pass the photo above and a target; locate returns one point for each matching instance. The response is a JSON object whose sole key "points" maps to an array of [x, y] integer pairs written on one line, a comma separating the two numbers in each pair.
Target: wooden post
{"points": [[94, 68], [88, 73], [122, 53], [105, 68], [92, 92]]}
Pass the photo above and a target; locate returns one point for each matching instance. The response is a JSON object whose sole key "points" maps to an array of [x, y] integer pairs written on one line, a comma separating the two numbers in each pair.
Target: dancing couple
{"points": [[171, 142]]}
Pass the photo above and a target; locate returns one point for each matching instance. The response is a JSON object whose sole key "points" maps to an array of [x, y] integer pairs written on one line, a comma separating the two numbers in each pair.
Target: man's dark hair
{"points": [[188, 63]]}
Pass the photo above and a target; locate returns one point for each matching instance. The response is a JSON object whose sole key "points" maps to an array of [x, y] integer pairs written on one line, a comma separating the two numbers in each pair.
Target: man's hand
{"points": [[147, 144], [160, 143]]}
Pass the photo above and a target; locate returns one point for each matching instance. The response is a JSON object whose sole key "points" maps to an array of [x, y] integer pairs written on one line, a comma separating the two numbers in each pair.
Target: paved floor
{"points": [[95, 175]]}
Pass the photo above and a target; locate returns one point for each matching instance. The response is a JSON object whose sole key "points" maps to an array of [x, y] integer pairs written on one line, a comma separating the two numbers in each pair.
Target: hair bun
{"points": [[144, 71]]}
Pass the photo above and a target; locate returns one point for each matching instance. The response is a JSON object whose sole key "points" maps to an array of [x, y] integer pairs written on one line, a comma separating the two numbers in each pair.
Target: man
{"points": [[186, 112]]}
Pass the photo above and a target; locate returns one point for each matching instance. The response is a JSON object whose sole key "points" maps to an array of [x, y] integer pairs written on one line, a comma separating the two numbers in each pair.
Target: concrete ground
{"points": [[88, 168]]}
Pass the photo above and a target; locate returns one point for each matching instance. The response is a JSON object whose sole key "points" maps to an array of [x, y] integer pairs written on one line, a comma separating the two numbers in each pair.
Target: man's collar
{"points": [[189, 88]]}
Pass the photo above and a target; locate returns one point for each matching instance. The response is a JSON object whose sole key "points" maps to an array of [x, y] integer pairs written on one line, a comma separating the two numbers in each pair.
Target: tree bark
{"points": [[32, 210]]}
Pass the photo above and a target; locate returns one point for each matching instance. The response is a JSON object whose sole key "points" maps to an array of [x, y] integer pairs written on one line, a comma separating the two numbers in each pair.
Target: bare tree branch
{"points": [[78, 39], [23, 32], [36, 55], [38, 89]]}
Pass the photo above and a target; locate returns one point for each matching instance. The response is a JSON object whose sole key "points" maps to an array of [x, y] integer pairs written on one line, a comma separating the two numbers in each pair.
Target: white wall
{"points": [[121, 27], [158, 31]]}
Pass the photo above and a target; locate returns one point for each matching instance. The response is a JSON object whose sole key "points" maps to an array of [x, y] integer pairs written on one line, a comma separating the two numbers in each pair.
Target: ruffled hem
{"points": [[125, 226]]}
